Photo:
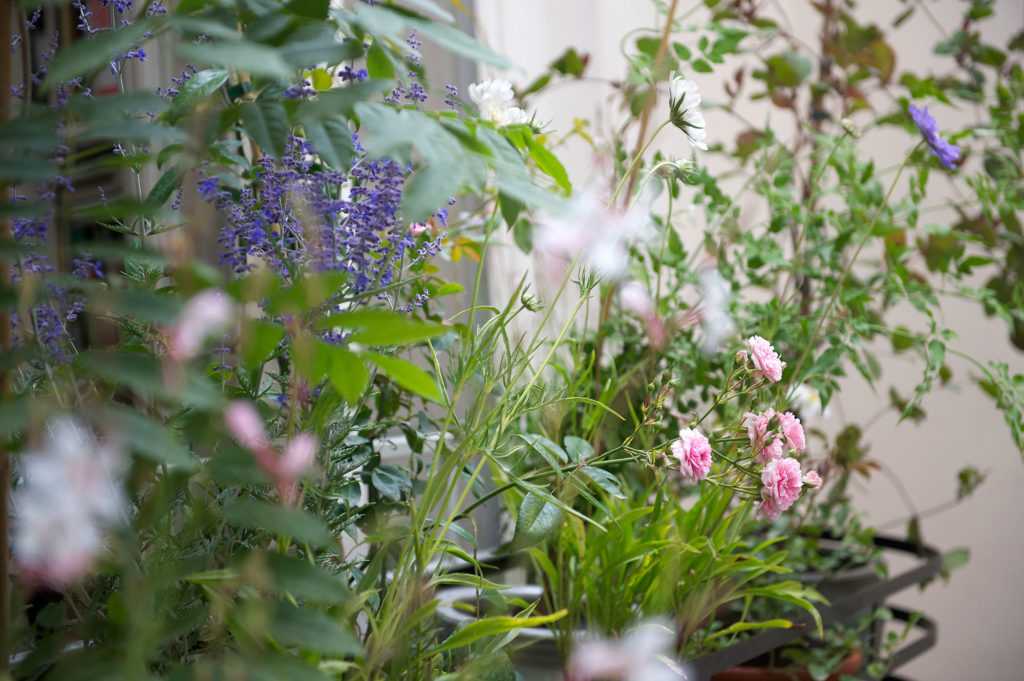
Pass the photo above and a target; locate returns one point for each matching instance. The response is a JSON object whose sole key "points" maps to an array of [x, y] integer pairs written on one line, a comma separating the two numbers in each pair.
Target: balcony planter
{"points": [[538, 658]]}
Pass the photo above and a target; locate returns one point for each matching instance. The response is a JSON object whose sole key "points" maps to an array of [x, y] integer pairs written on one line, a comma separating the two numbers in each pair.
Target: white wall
{"points": [[981, 611]]}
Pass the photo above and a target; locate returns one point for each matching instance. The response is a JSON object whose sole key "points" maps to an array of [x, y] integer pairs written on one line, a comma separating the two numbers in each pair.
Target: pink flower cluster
{"points": [[769, 445], [694, 453], [766, 362], [246, 426], [781, 478]]}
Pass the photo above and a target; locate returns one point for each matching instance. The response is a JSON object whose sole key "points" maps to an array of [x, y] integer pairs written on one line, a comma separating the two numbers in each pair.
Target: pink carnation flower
{"points": [[793, 431], [812, 479], [781, 480], [772, 452], [694, 453], [766, 360], [757, 427]]}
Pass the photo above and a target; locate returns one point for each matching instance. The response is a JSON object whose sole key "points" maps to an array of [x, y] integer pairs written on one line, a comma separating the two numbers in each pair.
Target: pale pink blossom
{"points": [[768, 509], [418, 228], [771, 452], [766, 361], [206, 314], [757, 427], [641, 655], [246, 425], [812, 479], [590, 234], [793, 431], [781, 481], [634, 299], [694, 453], [299, 455], [71, 494]]}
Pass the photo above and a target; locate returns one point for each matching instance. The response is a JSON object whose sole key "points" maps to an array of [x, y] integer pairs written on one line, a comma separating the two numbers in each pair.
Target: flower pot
{"points": [[751, 672], [535, 657]]}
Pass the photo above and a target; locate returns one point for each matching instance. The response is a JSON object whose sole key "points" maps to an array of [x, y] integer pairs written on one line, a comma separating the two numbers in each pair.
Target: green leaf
{"points": [[739, 627], [267, 124], [310, 9], [312, 630], [430, 187], [280, 520], [89, 54], [493, 626], [378, 63], [549, 164], [308, 582], [331, 139], [605, 480], [145, 375], [407, 375], [537, 520], [954, 560], [259, 60], [550, 451], [347, 374], [201, 85], [391, 481], [147, 437], [318, 43], [259, 339], [383, 327], [577, 448], [163, 189]]}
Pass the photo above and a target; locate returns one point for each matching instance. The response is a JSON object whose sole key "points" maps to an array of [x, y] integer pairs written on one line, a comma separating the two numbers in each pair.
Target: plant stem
{"points": [[795, 379]]}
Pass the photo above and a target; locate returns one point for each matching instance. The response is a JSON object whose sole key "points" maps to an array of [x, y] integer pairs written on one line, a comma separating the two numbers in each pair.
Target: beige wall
{"points": [[981, 611]]}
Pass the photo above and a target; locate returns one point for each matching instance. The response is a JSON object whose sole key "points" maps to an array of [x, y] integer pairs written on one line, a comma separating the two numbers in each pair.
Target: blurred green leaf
{"points": [[279, 520]]}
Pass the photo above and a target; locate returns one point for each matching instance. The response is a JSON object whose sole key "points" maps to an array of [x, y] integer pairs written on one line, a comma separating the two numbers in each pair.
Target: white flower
{"points": [[684, 107], [642, 655], [715, 320], [70, 495], [496, 102], [593, 235], [634, 299], [807, 400]]}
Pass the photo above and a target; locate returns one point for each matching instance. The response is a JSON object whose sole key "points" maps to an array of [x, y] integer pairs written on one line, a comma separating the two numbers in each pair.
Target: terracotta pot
{"points": [[850, 665]]}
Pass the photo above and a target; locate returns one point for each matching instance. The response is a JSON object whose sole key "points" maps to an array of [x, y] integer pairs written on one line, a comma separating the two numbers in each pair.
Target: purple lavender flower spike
{"points": [[948, 154]]}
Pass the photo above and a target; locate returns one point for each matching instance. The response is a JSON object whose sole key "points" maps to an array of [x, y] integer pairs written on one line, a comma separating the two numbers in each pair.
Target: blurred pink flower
{"points": [[793, 431], [205, 314], [286, 469], [589, 234], [812, 479], [694, 453], [781, 480], [766, 361], [70, 496], [246, 425], [641, 655], [417, 228], [634, 299]]}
